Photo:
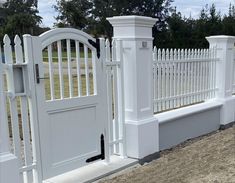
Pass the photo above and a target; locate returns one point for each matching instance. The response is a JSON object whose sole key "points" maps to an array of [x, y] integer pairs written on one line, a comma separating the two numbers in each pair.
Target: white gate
{"points": [[71, 103]]}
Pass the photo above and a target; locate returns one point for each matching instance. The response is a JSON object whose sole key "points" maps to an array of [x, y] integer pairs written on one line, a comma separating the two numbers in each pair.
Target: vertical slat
{"points": [[201, 76], [94, 71], [164, 79], [159, 77], [187, 56], [167, 78], [68, 45], [110, 95], [178, 78], [171, 77], [86, 70], [185, 75], [78, 61], [4, 130], [194, 73], [198, 79], [121, 100], [181, 77], [60, 65], [191, 76], [51, 71], [208, 74], [204, 76], [175, 77], [115, 89], [13, 103], [28, 177]]}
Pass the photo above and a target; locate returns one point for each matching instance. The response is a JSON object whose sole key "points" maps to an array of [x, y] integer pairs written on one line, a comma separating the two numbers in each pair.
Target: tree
{"points": [[73, 13], [19, 17], [90, 15]]}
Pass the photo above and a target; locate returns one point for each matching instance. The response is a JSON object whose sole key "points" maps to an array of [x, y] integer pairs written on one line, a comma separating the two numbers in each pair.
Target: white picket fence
{"points": [[183, 77], [16, 107], [115, 80]]}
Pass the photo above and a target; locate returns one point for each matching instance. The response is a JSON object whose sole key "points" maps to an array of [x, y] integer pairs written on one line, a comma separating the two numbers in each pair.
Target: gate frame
{"points": [[32, 47]]}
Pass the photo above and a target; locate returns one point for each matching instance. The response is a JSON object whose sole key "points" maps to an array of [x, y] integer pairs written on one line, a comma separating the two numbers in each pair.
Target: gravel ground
{"points": [[208, 159]]}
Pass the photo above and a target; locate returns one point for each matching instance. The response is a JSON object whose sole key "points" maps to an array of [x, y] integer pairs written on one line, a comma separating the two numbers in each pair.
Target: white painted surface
{"points": [[183, 77], [8, 162], [94, 171], [224, 75], [136, 35], [69, 128]]}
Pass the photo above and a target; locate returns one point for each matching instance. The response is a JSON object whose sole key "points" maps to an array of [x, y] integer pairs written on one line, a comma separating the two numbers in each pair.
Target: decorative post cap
{"points": [[220, 39], [132, 20]]}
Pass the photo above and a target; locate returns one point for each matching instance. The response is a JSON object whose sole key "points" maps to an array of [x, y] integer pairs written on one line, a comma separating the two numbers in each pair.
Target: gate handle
{"points": [[37, 74]]}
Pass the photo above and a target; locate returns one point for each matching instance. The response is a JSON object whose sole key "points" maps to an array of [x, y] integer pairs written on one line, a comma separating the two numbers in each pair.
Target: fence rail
{"points": [[183, 77]]}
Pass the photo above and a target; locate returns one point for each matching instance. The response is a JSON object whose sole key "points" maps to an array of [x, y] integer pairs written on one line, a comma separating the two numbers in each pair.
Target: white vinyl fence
{"points": [[183, 77], [114, 69], [16, 108], [23, 136]]}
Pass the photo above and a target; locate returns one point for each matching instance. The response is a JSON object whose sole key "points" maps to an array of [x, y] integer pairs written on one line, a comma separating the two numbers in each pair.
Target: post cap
{"points": [[132, 20]]}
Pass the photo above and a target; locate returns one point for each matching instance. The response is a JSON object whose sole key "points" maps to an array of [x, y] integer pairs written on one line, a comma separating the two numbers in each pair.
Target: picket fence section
{"points": [[16, 107], [113, 63], [183, 77]]}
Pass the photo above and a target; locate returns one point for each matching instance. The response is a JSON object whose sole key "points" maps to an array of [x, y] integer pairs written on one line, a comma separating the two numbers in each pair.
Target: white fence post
{"points": [[142, 137], [9, 169], [224, 75]]}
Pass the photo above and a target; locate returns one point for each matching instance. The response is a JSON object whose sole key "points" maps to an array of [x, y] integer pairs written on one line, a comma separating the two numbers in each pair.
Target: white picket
{"points": [[51, 71], [60, 66], [87, 70], [78, 61], [70, 76]]}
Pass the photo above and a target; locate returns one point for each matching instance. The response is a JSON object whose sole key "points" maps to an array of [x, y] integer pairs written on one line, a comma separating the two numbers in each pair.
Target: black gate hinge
{"points": [[100, 156], [96, 45]]}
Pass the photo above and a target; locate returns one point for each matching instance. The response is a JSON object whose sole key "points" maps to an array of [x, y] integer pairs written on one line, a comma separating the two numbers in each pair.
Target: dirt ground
{"points": [[208, 159]]}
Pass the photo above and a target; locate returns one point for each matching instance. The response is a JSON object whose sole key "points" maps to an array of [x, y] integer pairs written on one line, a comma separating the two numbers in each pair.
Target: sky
{"points": [[186, 7]]}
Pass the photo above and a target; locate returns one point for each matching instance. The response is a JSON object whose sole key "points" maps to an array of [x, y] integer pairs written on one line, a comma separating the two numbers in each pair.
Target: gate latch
{"points": [[38, 75]]}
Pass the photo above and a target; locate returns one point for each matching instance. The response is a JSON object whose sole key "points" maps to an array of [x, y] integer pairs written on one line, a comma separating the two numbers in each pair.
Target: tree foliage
{"points": [[19, 17], [73, 13], [90, 15]]}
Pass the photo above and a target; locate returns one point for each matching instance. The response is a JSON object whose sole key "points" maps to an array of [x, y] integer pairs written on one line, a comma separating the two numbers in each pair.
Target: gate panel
{"points": [[70, 103]]}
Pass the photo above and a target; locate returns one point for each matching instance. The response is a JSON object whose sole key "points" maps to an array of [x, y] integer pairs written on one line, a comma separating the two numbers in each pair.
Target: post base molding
{"points": [[9, 169], [142, 138], [227, 110]]}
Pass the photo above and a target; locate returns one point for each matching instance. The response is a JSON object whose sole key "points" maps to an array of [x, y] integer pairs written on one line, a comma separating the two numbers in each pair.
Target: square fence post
{"points": [[224, 46], [142, 136]]}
